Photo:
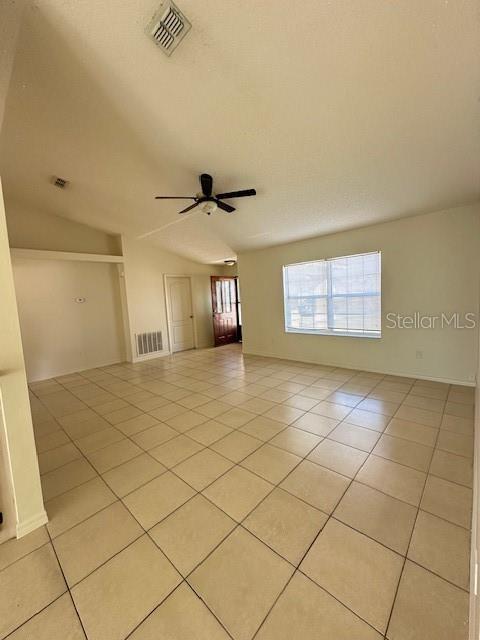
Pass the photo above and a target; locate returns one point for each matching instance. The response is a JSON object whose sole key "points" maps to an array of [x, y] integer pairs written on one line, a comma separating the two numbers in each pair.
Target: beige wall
{"points": [[145, 267], [430, 264], [34, 229], [60, 335], [20, 490]]}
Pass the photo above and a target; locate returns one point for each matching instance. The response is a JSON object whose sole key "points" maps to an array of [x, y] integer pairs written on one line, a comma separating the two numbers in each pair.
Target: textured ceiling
{"points": [[340, 113]]}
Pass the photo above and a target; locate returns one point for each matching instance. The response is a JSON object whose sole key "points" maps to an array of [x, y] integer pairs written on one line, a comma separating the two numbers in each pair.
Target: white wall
{"points": [[145, 267], [34, 229], [430, 264], [59, 335]]}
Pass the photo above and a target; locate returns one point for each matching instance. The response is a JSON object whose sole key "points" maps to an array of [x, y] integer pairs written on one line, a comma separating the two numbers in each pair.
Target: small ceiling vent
{"points": [[61, 183], [168, 27]]}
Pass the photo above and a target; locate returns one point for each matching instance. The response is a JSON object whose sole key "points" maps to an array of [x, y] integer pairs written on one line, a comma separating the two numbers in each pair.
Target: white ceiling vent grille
{"points": [[148, 342], [168, 27]]}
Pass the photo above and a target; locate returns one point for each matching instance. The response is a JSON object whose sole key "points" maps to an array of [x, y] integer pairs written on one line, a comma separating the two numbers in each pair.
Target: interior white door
{"points": [[180, 313]]}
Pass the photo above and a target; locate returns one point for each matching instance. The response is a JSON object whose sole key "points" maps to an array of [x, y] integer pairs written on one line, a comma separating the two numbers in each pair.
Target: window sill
{"points": [[342, 334]]}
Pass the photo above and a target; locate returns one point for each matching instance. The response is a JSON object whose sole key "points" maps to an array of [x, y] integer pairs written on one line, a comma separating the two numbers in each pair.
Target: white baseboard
{"points": [[30, 524], [386, 372]]}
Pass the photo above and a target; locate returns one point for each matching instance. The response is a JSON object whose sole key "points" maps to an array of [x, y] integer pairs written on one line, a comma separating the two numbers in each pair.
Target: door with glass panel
{"points": [[225, 313]]}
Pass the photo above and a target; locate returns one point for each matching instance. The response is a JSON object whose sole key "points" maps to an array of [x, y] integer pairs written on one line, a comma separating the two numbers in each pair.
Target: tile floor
{"points": [[211, 496]]}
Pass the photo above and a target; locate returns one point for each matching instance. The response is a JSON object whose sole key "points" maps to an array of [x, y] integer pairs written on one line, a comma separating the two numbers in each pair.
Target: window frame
{"points": [[329, 297]]}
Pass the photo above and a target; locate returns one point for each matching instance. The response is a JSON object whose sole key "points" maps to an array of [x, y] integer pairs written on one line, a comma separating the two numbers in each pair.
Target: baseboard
{"points": [[474, 618], [386, 372], [30, 524]]}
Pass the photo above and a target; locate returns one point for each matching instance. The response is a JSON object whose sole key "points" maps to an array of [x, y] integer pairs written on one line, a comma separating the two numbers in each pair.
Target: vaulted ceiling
{"points": [[340, 113]]}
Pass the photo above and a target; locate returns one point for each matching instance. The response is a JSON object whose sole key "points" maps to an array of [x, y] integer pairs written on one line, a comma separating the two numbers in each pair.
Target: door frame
{"points": [[168, 308]]}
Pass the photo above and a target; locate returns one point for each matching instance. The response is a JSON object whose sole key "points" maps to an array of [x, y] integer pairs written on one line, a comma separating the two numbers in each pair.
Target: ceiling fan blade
{"points": [[237, 194], [224, 206], [207, 182], [192, 206], [174, 198]]}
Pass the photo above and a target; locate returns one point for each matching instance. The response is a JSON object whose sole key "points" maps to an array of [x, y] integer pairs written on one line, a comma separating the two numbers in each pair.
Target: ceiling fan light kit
{"points": [[209, 201]]}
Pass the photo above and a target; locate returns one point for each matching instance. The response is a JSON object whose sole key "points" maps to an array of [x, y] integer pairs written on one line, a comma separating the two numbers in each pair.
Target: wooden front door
{"points": [[224, 303]]}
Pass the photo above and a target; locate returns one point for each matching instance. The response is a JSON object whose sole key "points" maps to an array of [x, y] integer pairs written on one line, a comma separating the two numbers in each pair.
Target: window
{"points": [[338, 296]]}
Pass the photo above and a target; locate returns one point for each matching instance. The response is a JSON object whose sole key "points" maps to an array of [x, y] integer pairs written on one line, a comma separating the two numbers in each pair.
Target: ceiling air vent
{"points": [[168, 27], [61, 183]]}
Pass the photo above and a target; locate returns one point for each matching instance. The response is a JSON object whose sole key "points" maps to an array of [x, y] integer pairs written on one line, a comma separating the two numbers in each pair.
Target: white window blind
{"points": [[338, 296]]}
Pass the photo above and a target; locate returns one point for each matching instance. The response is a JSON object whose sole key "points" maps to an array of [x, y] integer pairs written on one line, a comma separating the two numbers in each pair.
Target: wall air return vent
{"points": [[168, 27], [148, 342]]}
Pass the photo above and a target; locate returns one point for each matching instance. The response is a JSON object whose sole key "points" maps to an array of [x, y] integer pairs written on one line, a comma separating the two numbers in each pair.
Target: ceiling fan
{"points": [[210, 202]]}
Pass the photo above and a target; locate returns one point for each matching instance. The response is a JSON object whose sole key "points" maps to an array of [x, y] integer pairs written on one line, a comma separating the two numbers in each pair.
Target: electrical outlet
{"points": [[419, 354]]}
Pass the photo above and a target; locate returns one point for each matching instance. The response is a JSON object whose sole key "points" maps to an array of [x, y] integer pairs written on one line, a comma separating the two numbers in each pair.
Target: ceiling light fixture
{"points": [[230, 263]]}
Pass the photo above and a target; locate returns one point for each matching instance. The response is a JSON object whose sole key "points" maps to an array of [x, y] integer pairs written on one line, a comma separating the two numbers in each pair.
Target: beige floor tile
{"points": [[182, 616], [240, 581], [459, 409], [238, 492], [191, 532], [120, 415], [394, 479], [137, 424], [358, 571], [316, 393], [168, 411], [157, 499], [428, 608], [150, 403], [76, 505], [376, 405], [111, 405], [301, 402], [286, 524], [193, 400], [27, 586], [213, 408], [420, 402], [209, 432], [186, 421], [51, 441], [132, 474], [448, 500], [115, 598], [408, 453], [94, 541], [55, 458], [412, 431], [331, 410], [67, 477], [457, 443], [77, 418], [14, 549], [236, 417], [296, 441], [284, 414], [202, 469], [271, 463], [99, 440], [319, 487], [87, 428], [176, 450], [422, 416], [154, 436], [345, 399], [316, 424], [381, 517], [338, 457], [441, 547], [304, 611], [113, 455], [368, 419], [452, 467], [58, 620], [457, 424], [355, 436], [236, 445], [263, 428]]}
